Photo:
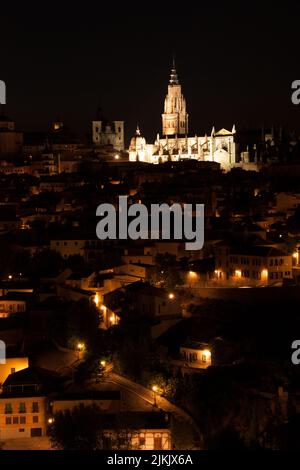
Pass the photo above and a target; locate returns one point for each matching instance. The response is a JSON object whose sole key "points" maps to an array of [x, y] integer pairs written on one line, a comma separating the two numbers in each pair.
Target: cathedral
{"points": [[175, 144]]}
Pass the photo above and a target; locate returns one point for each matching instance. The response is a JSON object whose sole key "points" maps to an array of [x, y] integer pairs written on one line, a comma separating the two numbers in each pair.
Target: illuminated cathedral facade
{"points": [[175, 144]]}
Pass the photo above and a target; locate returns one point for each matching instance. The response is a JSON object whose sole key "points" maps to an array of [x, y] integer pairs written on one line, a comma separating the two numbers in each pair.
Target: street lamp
{"points": [[80, 347], [154, 388], [206, 356], [171, 296], [103, 363], [96, 299]]}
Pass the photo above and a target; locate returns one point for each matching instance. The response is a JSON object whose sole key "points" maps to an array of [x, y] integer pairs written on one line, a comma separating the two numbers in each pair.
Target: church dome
{"points": [[137, 142]]}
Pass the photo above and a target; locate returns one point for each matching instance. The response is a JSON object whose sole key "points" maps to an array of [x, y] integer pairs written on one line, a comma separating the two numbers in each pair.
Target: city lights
{"points": [[264, 274], [206, 353], [154, 389], [150, 268], [96, 299]]}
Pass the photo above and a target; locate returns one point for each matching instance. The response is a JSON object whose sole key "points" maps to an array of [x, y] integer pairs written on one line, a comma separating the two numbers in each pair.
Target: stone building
{"points": [[175, 144], [105, 132]]}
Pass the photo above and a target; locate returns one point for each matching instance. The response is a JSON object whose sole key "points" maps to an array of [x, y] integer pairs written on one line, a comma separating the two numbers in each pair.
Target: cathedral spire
{"points": [[174, 76], [174, 117]]}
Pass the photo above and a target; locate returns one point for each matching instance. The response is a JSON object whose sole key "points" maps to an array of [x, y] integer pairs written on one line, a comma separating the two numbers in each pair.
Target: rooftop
{"points": [[32, 381]]}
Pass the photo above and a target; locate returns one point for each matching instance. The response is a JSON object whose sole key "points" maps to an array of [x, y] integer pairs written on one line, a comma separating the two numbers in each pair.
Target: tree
{"points": [[227, 438], [47, 263], [167, 271], [75, 262], [85, 428], [184, 436], [91, 368], [75, 321], [77, 429]]}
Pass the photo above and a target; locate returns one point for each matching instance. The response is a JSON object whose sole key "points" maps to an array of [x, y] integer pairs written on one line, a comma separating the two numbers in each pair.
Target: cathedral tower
{"points": [[175, 117]]}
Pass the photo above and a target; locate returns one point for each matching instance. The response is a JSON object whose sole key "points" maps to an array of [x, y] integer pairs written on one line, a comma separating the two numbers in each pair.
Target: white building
{"points": [[108, 133], [175, 144]]}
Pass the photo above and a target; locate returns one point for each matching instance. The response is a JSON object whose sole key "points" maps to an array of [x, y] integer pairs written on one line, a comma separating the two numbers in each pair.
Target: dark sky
{"points": [[235, 65]]}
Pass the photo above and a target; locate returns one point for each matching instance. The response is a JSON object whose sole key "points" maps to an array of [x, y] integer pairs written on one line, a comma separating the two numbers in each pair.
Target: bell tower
{"points": [[175, 117]]}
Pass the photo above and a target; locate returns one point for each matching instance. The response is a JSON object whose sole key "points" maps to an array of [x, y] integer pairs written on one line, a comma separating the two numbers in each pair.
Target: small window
{"points": [[142, 441], [8, 420], [35, 419], [22, 430], [35, 407], [12, 370], [8, 408], [15, 420], [22, 419], [22, 407]]}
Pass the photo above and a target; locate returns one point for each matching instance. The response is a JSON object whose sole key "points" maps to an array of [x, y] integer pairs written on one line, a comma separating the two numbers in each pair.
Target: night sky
{"points": [[235, 65]]}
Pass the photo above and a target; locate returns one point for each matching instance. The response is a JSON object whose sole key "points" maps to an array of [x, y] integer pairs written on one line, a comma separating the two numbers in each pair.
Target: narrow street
{"points": [[157, 401]]}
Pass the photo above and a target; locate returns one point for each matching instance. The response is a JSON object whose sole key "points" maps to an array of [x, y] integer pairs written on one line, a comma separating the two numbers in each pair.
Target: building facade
{"points": [[108, 133], [258, 265], [196, 354], [22, 416], [11, 140]]}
